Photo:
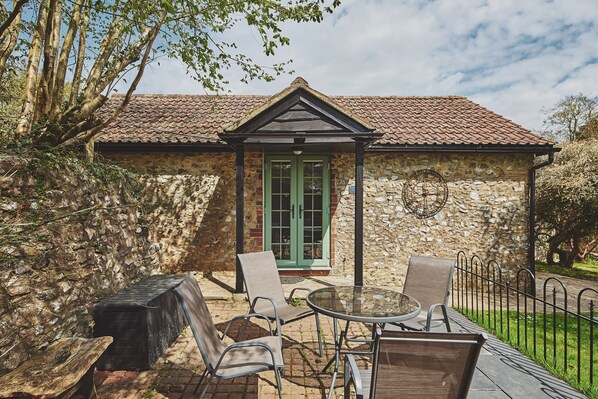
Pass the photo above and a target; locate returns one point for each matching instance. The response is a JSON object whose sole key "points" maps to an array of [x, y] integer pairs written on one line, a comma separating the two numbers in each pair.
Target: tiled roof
{"points": [[154, 118], [450, 120]]}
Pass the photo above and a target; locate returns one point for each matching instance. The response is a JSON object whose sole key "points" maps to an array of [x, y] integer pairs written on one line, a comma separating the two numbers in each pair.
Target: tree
{"points": [[96, 43], [11, 89], [564, 120], [567, 200], [589, 131]]}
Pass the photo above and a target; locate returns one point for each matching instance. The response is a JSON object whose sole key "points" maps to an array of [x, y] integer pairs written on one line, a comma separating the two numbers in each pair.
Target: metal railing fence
{"points": [[543, 326]]}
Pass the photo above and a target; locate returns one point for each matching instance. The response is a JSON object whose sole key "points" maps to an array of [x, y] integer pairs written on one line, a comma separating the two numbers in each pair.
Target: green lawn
{"points": [[554, 364], [582, 270]]}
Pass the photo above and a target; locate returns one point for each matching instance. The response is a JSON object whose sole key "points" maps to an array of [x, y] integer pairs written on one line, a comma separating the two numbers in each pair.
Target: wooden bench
{"points": [[144, 320], [64, 370]]}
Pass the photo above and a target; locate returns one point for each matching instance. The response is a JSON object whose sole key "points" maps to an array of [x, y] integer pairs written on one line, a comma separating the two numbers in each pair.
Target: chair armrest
{"points": [[274, 305], [352, 374], [246, 317], [431, 311], [298, 289], [239, 345]]}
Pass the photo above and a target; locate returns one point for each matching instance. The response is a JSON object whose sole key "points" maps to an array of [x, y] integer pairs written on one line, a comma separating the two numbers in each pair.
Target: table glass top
{"points": [[363, 303]]}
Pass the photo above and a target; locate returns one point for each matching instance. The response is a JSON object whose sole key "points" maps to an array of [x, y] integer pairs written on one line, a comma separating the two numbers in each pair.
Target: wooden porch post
{"points": [[240, 215], [358, 273]]}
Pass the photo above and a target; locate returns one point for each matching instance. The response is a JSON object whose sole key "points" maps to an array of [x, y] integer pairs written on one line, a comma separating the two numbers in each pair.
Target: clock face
{"points": [[425, 193]]}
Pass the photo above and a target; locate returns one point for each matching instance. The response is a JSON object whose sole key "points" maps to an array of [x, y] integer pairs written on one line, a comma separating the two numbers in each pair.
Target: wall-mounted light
{"points": [[298, 149]]}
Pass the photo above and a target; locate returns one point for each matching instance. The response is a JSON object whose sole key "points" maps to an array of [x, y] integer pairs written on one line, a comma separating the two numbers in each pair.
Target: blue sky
{"points": [[514, 57]]}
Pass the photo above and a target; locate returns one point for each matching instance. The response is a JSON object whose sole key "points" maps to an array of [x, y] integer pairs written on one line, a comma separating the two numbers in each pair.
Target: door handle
{"points": [[293, 211], [300, 211]]}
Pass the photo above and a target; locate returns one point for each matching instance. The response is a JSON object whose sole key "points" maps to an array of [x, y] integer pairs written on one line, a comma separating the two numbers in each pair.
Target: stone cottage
{"points": [[338, 185]]}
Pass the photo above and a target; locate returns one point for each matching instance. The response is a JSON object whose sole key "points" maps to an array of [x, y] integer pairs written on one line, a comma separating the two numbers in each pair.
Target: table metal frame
{"points": [[338, 338]]}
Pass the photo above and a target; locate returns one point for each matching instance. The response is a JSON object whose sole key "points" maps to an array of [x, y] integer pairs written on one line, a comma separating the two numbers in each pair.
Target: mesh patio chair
{"points": [[429, 281], [223, 360], [413, 364], [265, 293]]}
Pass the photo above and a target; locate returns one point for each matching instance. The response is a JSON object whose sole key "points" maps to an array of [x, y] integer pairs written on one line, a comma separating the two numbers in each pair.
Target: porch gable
{"points": [[299, 112]]}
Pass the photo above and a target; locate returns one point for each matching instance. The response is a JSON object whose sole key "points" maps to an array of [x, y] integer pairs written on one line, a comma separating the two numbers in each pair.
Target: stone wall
{"points": [[72, 234], [193, 209], [191, 206], [486, 212]]}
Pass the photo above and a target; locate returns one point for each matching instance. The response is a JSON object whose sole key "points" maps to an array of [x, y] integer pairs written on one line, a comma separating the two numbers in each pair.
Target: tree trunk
{"points": [[80, 56], [588, 248], [9, 37], [29, 91], [67, 45], [574, 253], [91, 133], [110, 41], [552, 250], [51, 44]]}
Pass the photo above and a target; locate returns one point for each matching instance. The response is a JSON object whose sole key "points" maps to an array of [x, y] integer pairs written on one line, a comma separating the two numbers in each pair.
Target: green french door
{"points": [[297, 210]]}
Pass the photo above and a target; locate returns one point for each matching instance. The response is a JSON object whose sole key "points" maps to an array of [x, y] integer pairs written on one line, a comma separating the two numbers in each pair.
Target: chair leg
{"points": [[346, 329], [205, 389], [278, 382], [203, 375], [347, 382], [319, 333], [446, 318]]}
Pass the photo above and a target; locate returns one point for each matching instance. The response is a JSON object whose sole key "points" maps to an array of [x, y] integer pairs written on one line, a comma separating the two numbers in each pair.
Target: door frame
{"points": [[297, 262]]}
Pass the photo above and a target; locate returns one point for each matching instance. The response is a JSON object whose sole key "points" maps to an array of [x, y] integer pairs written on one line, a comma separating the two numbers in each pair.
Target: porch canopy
{"points": [[299, 119]]}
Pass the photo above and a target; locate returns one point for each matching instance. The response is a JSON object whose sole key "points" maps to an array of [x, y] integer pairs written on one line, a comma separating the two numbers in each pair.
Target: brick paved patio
{"points": [[176, 374], [502, 372]]}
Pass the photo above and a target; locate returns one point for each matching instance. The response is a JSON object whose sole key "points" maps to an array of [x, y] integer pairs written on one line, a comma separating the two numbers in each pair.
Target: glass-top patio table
{"points": [[362, 304]]}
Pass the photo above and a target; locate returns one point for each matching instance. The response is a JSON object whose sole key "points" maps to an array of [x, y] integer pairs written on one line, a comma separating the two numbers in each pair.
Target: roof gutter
{"points": [[531, 256]]}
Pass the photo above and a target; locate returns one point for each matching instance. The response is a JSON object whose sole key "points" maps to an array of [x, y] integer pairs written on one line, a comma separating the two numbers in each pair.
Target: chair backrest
{"points": [[424, 365], [261, 278], [429, 280], [200, 320]]}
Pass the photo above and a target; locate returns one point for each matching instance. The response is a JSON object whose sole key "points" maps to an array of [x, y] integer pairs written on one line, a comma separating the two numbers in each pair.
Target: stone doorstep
{"points": [[220, 285]]}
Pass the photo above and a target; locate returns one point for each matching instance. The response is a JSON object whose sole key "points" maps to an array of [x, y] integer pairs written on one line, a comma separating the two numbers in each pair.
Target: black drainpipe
{"points": [[532, 217]]}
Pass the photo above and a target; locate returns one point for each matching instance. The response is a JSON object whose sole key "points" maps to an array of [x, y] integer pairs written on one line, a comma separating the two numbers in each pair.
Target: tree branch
{"points": [[12, 17], [127, 98]]}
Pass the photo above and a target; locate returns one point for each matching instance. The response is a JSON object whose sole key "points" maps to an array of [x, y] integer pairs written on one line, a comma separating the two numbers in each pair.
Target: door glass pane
{"points": [[280, 198], [313, 177]]}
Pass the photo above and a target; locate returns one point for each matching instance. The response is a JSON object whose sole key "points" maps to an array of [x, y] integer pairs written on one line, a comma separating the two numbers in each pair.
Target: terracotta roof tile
{"points": [[403, 120]]}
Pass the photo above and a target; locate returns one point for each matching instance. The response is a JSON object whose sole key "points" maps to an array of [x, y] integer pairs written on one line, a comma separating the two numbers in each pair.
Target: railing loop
{"points": [[481, 284]]}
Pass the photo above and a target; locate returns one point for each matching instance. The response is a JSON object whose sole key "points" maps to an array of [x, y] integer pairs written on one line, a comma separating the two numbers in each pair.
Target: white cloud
{"points": [[514, 57]]}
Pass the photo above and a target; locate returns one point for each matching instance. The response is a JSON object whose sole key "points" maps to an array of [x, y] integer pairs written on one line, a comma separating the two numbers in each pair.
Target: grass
{"points": [[582, 270], [513, 332]]}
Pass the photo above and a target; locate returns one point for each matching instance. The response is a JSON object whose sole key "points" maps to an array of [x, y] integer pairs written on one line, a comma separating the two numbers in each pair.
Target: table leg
{"points": [[337, 354]]}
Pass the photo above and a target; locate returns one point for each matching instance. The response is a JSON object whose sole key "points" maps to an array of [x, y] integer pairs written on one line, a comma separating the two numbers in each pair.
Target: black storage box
{"points": [[144, 319]]}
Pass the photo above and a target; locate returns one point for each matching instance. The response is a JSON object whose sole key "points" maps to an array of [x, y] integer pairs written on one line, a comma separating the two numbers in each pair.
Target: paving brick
{"points": [[177, 373]]}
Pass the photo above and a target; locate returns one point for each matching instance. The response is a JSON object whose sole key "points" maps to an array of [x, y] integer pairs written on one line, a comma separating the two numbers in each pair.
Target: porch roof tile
{"points": [[198, 119]]}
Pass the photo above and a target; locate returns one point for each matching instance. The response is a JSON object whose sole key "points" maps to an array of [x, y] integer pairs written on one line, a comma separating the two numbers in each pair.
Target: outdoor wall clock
{"points": [[425, 193]]}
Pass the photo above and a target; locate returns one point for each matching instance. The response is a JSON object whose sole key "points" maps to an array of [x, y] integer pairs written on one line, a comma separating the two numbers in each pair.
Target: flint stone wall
{"points": [[486, 212], [191, 206], [93, 243], [192, 209]]}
